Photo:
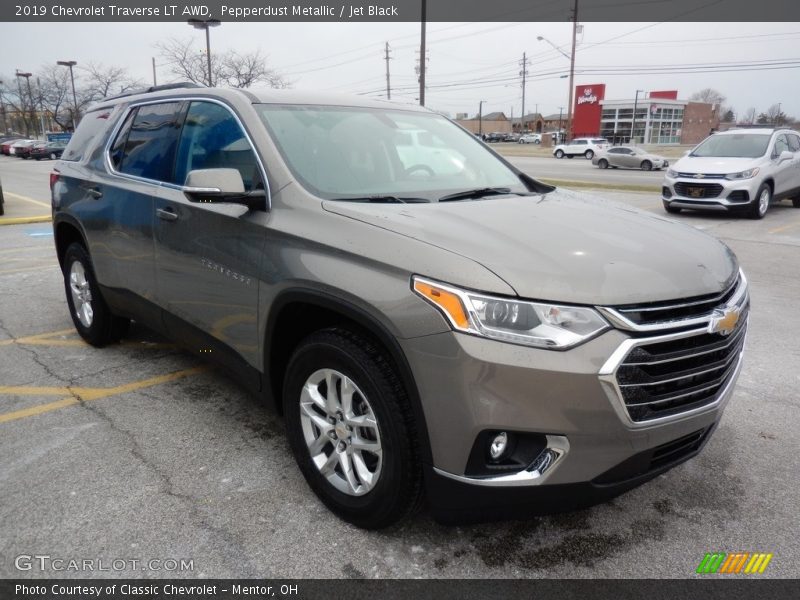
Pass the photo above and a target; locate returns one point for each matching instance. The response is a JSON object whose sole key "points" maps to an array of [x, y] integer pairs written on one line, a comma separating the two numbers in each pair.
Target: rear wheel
{"points": [[646, 165], [351, 429], [589, 154], [559, 154], [759, 207], [673, 210], [602, 163], [92, 318]]}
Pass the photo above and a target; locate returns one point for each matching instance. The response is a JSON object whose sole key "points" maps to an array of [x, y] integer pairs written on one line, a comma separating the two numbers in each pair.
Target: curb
{"points": [[23, 220]]}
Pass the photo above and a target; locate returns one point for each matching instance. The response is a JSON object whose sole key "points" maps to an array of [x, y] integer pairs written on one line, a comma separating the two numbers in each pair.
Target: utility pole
{"points": [[155, 83], [388, 84], [633, 121], [524, 73], [422, 55], [572, 69], [560, 113], [480, 118]]}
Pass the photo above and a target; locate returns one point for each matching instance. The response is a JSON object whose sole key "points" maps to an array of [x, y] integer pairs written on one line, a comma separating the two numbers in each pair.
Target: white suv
{"points": [[586, 147], [741, 170]]}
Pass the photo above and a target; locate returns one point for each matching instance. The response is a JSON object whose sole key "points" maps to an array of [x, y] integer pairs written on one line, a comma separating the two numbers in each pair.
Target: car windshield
{"points": [[735, 145], [353, 153]]}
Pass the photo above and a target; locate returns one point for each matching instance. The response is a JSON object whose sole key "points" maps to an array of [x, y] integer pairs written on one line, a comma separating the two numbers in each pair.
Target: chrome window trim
{"points": [[107, 150], [620, 321], [535, 474], [608, 379]]}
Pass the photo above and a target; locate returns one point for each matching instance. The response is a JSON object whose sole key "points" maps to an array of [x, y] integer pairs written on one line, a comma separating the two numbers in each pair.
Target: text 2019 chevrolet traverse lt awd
{"points": [[428, 319]]}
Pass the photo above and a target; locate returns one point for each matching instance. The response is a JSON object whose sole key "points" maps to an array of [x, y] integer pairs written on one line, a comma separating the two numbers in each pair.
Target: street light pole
{"points": [[480, 118], [422, 51], [560, 113], [70, 64], [206, 24], [633, 122], [27, 77]]}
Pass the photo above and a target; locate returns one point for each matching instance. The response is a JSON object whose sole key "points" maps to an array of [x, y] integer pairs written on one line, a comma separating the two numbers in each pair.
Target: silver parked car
{"points": [[740, 171], [629, 157], [427, 318]]}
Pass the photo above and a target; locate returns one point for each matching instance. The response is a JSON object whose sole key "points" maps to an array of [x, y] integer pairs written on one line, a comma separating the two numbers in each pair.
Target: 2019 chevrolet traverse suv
{"points": [[740, 171], [452, 328]]}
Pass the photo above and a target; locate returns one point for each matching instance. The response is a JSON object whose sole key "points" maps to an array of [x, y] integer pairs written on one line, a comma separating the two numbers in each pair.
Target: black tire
{"points": [[105, 327], [602, 163], [2, 203], [589, 154], [673, 210], [559, 154], [795, 203], [398, 490], [646, 165], [756, 209]]}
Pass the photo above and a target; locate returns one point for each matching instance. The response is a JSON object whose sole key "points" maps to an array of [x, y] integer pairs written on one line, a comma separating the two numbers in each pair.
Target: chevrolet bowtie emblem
{"points": [[699, 176], [723, 321]]}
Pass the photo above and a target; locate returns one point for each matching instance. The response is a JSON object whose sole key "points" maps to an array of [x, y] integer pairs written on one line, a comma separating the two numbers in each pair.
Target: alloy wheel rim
{"points": [[341, 432], [763, 202], [81, 294]]}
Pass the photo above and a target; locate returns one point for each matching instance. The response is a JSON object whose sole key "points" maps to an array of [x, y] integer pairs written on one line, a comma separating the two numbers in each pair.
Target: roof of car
{"points": [[262, 95], [752, 130]]}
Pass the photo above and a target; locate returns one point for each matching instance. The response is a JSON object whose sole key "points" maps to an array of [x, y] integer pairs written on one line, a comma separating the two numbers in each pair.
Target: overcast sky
{"points": [[470, 61]]}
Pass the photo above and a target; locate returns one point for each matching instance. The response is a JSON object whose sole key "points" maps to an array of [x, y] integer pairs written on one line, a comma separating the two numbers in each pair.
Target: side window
{"points": [[117, 152], [92, 125], [149, 148], [781, 145], [794, 142], [616, 151], [212, 139]]}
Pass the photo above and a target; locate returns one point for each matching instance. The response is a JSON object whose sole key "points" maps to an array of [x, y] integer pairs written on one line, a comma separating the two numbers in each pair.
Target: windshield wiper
{"points": [[384, 200], [480, 193]]}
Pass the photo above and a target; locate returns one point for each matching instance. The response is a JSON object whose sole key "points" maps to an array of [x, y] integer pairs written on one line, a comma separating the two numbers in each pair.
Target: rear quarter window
{"points": [[92, 126]]}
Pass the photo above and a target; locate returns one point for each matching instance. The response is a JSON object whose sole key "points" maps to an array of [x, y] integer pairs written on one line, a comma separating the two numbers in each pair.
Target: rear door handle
{"points": [[94, 192], [167, 214]]}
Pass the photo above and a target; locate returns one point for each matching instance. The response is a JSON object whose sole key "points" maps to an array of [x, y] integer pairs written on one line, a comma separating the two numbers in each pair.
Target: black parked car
{"points": [[52, 150], [495, 136]]}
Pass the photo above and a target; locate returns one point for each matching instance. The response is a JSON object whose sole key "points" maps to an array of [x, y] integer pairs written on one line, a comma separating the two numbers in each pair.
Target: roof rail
{"points": [[155, 88]]}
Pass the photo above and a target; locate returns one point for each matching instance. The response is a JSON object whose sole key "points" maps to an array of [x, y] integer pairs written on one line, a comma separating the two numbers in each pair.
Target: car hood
{"points": [[714, 164], [564, 247]]}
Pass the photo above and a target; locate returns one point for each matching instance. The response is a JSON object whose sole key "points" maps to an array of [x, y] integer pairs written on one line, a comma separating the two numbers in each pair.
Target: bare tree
{"points": [[98, 81], [55, 94], [228, 68], [775, 115], [243, 70], [15, 105], [749, 115], [708, 95]]}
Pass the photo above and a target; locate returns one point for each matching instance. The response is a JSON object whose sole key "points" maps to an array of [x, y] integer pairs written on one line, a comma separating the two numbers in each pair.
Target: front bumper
{"points": [[709, 194], [469, 385]]}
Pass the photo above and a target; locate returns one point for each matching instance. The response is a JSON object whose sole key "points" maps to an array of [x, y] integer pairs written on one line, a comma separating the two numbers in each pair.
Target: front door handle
{"points": [[167, 214], [94, 192]]}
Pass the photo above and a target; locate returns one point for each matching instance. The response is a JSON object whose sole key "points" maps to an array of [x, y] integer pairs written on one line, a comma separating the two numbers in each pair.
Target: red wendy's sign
{"points": [[586, 119]]}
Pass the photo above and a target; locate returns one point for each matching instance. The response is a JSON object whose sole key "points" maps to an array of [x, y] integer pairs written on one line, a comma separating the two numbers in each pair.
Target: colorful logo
{"points": [[734, 563]]}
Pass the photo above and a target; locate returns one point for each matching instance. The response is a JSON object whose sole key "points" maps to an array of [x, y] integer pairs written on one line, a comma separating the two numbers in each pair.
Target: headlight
{"points": [[743, 174], [672, 173], [542, 325]]}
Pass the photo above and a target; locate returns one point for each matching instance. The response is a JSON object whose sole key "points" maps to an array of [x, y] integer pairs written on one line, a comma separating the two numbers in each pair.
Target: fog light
{"points": [[498, 446]]}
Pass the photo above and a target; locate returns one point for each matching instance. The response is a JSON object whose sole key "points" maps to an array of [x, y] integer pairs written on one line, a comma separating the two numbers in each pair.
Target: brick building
{"points": [[661, 118]]}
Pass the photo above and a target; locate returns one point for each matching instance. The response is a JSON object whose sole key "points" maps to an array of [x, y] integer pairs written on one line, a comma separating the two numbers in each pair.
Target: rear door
{"points": [[785, 172], [208, 255]]}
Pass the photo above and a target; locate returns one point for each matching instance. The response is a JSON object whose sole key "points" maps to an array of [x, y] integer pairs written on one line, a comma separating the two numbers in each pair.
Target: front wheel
{"points": [[602, 163], [589, 154], [559, 154], [646, 165], [351, 429], [91, 315], [759, 208]]}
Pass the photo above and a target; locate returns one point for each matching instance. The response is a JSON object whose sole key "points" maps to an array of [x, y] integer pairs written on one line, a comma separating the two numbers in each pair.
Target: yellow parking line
{"points": [[27, 199], [31, 339], [23, 220], [785, 227], [80, 394]]}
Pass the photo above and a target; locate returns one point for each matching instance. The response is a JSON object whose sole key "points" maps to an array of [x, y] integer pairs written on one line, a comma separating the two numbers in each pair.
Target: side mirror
{"points": [[222, 185], [785, 155]]}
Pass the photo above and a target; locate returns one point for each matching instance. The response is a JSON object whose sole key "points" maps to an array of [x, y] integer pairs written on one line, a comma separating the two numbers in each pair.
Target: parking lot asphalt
{"points": [[141, 452]]}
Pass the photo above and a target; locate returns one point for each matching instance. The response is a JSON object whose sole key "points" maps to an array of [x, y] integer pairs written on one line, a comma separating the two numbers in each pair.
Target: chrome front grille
{"points": [[682, 356], [661, 379]]}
